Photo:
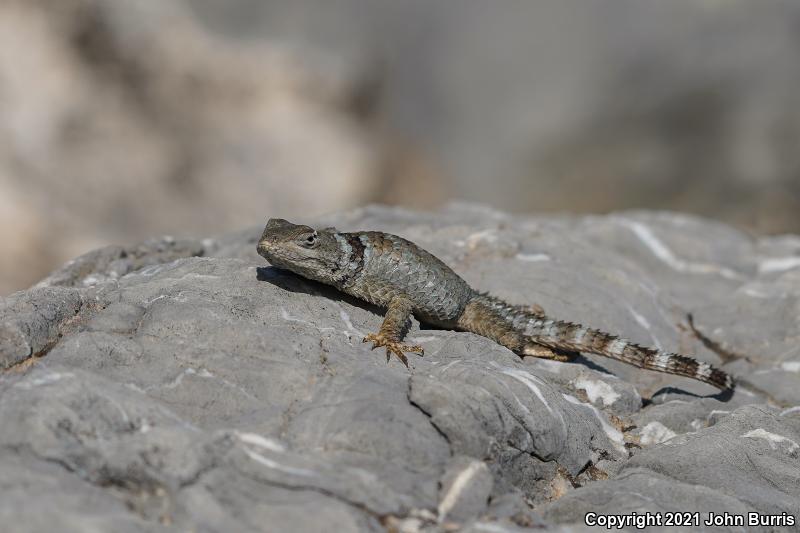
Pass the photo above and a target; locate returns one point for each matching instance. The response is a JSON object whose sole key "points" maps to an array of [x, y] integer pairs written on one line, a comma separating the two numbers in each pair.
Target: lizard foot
{"points": [[393, 347]]}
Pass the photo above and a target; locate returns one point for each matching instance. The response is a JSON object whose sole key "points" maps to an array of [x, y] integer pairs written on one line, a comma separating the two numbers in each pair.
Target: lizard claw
{"points": [[393, 347]]}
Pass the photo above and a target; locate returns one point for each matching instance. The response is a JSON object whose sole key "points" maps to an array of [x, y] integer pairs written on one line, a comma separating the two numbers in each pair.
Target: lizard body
{"points": [[394, 273]]}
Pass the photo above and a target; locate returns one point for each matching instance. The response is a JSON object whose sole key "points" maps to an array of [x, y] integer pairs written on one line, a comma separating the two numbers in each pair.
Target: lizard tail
{"points": [[523, 331]]}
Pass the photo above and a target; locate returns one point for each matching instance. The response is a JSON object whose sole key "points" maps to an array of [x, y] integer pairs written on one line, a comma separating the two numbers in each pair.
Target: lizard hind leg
{"points": [[506, 325], [537, 350], [395, 324]]}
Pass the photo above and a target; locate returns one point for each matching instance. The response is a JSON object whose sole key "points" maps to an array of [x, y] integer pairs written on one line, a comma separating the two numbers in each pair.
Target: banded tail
{"points": [[525, 332]]}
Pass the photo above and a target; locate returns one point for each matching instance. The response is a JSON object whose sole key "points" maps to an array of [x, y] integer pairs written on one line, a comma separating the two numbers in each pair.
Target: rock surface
{"points": [[187, 385]]}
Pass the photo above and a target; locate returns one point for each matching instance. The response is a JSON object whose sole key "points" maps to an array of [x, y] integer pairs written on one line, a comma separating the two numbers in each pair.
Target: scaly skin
{"points": [[396, 274]]}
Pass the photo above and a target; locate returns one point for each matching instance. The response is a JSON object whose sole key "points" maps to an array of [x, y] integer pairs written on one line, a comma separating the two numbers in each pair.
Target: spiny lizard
{"points": [[391, 272]]}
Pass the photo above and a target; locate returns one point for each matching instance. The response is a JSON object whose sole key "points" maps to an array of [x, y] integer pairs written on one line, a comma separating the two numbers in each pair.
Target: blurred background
{"points": [[121, 119]]}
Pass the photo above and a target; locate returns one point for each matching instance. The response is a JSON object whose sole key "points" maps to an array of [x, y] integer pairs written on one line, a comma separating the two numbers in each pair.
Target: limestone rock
{"points": [[188, 385]]}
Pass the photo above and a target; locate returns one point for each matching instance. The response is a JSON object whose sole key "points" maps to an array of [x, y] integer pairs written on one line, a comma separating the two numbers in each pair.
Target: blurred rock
{"points": [[121, 120], [187, 385], [569, 105]]}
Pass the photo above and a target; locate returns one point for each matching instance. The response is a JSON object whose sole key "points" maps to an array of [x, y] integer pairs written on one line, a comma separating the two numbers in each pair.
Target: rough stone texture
{"points": [[749, 461], [30, 322], [465, 489], [187, 385]]}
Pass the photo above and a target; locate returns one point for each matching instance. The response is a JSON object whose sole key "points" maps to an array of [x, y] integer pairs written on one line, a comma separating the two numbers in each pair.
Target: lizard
{"points": [[393, 273]]}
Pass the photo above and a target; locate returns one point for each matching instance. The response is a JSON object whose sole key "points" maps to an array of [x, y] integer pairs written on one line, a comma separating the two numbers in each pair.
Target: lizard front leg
{"points": [[395, 324]]}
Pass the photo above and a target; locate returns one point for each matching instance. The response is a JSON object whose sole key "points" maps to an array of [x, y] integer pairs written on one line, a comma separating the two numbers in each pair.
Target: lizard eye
{"points": [[310, 241]]}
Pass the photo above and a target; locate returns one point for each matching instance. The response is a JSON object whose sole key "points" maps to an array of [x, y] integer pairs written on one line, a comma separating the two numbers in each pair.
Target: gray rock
{"points": [[641, 491], [31, 322], [661, 421], [465, 489], [751, 455], [112, 262], [500, 411], [515, 508], [603, 390], [746, 462], [194, 387], [40, 495]]}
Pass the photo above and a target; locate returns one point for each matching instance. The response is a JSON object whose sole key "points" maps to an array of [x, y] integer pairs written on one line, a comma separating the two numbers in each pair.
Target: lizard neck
{"points": [[351, 259]]}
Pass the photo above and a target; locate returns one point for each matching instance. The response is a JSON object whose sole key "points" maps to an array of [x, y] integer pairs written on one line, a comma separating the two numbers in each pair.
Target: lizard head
{"points": [[311, 253]]}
